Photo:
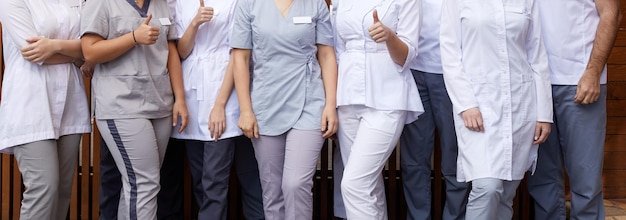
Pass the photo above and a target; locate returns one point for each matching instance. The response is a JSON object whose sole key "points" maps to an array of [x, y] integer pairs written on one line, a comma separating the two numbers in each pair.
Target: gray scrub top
{"points": [[286, 84], [136, 84]]}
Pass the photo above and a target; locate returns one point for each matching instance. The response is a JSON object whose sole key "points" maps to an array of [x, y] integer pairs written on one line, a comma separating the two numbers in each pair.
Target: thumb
{"points": [[375, 13], [202, 3], [33, 39], [147, 21]]}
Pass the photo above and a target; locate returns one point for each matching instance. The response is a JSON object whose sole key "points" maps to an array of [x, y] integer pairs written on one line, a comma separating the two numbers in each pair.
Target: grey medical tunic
{"points": [[286, 84], [136, 84]]}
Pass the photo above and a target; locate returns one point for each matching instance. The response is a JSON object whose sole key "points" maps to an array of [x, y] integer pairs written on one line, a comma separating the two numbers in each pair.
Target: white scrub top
{"points": [[429, 56], [569, 30], [367, 75], [40, 102], [286, 87], [493, 58], [204, 69]]}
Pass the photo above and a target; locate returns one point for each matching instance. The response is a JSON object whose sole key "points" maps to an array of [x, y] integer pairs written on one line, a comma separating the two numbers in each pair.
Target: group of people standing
{"points": [[511, 86]]}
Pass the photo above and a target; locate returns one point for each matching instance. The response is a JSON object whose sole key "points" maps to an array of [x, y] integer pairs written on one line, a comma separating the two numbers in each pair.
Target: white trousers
{"points": [[366, 137], [491, 198]]}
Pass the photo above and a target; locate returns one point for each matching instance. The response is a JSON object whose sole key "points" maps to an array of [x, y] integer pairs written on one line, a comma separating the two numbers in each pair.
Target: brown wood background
{"points": [[84, 204], [614, 178]]}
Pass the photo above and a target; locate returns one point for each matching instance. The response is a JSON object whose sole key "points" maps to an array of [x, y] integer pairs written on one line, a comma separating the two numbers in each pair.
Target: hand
{"points": [[473, 119], [146, 34], [217, 122], [329, 121], [205, 14], [39, 49], [87, 69], [542, 130], [588, 89], [180, 110], [378, 32], [247, 124]]}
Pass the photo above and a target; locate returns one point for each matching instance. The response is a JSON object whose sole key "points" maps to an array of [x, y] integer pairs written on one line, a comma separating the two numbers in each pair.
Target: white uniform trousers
{"points": [[367, 137], [491, 199]]}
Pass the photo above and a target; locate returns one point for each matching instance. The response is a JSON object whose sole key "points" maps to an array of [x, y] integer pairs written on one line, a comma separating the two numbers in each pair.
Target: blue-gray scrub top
{"points": [[137, 83], [286, 84]]}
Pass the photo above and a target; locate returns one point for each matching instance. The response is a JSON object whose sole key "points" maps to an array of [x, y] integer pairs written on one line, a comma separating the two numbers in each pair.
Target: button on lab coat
{"points": [[493, 58], [367, 75], [40, 102]]}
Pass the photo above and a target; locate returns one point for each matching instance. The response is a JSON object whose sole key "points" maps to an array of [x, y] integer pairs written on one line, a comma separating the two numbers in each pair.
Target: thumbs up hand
{"points": [[378, 31], [146, 34], [204, 14]]}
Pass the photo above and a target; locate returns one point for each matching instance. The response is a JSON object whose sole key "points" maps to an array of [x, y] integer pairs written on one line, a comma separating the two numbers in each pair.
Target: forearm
{"points": [[397, 49], [241, 74], [69, 48], [97, 50], [59, 59], [176, 72], [187, 41], [328, 64], [227, 86], [606, 33]]}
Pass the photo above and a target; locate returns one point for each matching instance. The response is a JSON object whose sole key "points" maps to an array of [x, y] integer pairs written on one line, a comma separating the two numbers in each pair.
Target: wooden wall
{"points": [[615, 147]]}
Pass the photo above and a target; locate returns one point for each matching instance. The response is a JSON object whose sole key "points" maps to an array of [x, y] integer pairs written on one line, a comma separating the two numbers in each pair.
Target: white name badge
{"points": [[302, 20], [165, 21]]}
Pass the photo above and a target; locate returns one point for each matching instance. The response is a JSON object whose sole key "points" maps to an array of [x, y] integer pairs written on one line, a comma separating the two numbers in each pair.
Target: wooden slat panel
{"points": [[614, 192], [616, 108], [95, 188], [16, 200], [6, 160], [617, 73], [616, 90], [617, 55], [614, 178], [74, 202], [614, 160], [615, 143], [616, 125], [85, 185]]}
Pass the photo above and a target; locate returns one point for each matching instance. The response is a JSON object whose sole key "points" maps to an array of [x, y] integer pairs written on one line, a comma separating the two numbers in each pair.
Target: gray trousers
{"points": [[576, 143], [491, 199], [417, 143], [210, 163], [287, 164], [138, 148], [47, 169]]}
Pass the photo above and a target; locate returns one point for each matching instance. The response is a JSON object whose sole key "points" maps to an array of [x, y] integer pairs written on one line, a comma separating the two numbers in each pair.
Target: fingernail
{"points": [[536, 138]]}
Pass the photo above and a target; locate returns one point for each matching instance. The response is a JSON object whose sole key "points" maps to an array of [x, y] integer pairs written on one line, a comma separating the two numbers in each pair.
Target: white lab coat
{"points": [[367, 75], [493, 58], [40, 102], [204, 68]]}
